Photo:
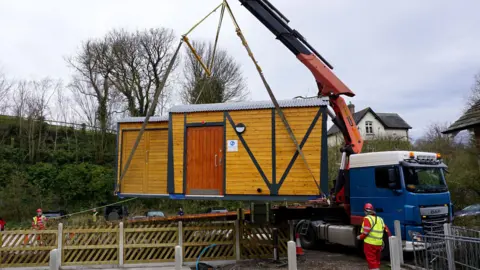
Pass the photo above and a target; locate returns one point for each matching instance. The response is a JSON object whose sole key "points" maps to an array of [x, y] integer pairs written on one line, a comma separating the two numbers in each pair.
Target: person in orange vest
{"points": [[372, 231], [39, 223], [39, 220]]}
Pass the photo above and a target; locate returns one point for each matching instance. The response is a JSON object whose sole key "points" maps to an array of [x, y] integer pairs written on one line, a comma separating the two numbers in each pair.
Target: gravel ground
{"points": [[314, 259]]}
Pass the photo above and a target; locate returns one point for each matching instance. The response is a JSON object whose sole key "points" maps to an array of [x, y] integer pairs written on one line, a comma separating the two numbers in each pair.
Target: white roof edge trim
{"points": [[383, 158], [141, 119], [249, 105]]}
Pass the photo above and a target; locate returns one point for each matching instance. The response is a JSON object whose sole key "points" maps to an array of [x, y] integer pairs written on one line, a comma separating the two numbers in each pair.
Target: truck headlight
{"points": [[415, 236]]}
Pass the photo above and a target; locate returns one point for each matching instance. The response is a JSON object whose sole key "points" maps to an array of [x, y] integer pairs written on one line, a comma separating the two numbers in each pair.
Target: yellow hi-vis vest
{"points": [[375, 237], [39, 221]]}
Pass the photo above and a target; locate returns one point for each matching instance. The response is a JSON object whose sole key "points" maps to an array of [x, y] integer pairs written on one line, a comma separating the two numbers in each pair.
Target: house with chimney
{"points": [[372, 125]]}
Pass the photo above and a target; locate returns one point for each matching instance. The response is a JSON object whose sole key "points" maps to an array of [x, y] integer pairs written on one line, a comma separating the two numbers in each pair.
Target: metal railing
{"points": [[456, 248], [465, 232]]}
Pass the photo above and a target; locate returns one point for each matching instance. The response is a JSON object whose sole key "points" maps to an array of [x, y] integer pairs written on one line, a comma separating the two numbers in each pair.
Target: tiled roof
{"points": [[393, 120], [248, 105], [469, 119], [356, 117], [389, 120]]}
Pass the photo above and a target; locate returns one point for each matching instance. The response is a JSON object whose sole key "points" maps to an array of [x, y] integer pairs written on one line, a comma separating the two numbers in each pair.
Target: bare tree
{"points": [[225, 84], [31, 106], [93, 66], [116, 108], [86, 103], [5, 86], [93, 69], [139, 61], [434, 140], [42, 92], [474, 96]]}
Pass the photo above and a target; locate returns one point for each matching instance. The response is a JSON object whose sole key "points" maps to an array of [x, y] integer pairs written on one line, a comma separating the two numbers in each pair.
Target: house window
{"points": [[368, 127]]}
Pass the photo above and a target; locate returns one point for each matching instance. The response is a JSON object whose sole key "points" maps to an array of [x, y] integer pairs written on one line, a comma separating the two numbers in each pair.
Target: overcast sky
{"points": [[415, 58]]}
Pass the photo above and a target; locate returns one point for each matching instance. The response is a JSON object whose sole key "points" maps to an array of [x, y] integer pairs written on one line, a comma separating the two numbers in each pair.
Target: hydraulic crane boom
{"points": [[329, 85]]}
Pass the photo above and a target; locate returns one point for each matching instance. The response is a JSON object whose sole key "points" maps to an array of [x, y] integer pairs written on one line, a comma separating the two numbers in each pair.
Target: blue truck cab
{"points": [[402, 185]]}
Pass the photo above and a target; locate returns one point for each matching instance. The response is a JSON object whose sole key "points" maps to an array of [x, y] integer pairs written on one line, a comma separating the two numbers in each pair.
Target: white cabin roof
{"points": [[249, 105], [141, 119], [385, 158], [231, 106]]}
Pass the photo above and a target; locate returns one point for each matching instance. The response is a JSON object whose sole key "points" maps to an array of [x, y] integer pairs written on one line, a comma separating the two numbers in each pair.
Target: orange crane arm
{"points": [[329, 85]]}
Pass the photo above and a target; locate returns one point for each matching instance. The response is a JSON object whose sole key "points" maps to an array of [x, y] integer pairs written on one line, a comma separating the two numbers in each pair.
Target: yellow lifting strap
{"points": [[204, 18], [208, 69], [270, 93], [222, 11]]}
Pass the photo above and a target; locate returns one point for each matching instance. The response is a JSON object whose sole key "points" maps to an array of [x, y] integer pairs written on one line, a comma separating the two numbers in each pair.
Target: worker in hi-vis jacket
{"points": [[372, 231]]}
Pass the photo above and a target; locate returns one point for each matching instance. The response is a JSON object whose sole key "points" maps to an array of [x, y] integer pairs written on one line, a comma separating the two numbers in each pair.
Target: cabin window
{"points": [[368, 127], [382, 178]]}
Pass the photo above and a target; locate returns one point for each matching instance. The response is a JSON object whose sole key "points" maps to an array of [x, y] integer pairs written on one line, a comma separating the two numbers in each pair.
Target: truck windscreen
{"points": [[424, 179]]}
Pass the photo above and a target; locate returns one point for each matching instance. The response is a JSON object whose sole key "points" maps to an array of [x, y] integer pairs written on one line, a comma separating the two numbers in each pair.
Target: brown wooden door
{"points": [[204, 161]]}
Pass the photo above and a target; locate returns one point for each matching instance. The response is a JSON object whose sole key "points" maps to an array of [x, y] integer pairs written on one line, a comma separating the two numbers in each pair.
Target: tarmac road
{"points": [[313, 259], [332, 257]]}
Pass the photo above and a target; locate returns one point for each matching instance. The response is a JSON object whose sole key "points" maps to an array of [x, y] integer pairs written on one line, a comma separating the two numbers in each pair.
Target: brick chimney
{"points": [[351, 107]]}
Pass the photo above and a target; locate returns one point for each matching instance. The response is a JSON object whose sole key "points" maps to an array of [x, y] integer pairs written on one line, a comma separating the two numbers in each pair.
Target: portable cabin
{"points": [[147, 173], [234, 151]]}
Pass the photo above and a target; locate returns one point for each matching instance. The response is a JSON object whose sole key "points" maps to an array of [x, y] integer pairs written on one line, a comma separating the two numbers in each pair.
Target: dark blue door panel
{"points": [[363, 188]]}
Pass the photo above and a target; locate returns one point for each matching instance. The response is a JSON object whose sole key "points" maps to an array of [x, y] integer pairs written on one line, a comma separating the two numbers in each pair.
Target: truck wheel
{"points": [[310, 241], [113, 216]]}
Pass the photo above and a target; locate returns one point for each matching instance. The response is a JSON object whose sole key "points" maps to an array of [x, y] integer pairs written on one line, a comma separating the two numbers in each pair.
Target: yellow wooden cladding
{"points": [[299, 180], [178, 129], [242, 175], [147, 172], [207, 117]]}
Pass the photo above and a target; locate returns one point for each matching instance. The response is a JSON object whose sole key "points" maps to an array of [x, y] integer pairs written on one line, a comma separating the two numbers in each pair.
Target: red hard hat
{"points": [[368, 207], [39, 210]]}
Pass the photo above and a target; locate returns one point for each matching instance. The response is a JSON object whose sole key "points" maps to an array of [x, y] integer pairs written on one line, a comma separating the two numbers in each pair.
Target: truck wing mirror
{"points": [[392, 178], [393, 181]]}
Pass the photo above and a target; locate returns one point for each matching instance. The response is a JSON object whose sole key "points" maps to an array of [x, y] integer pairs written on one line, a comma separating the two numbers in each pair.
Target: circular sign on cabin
{"points": [[240, 128]]}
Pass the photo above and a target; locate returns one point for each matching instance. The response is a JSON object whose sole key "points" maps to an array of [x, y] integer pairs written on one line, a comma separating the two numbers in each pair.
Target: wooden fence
{"points": [[140, 243], [26, 247]]}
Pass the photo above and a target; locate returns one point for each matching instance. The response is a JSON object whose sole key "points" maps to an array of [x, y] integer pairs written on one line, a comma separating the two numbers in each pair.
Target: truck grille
{"points": [[434, 224]]}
